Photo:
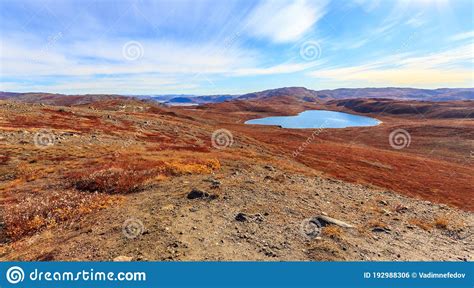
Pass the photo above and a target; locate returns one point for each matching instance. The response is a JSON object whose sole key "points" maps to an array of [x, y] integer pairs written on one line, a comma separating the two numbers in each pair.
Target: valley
{"points": [[76, 170]]}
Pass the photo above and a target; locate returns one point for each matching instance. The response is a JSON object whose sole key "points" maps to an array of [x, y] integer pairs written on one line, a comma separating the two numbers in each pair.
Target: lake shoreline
{"points": [[319, 119]]}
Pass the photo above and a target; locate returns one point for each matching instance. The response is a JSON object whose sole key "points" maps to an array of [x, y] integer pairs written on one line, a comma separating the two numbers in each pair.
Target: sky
{"points": [[233, 47]]}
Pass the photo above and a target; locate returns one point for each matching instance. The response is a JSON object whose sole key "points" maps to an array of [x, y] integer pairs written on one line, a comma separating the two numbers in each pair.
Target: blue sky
{"points": [[218, 47]]}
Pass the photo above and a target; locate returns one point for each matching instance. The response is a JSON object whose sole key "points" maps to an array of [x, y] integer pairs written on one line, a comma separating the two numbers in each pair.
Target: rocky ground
{"points": [[240, 202], [259, 214]]}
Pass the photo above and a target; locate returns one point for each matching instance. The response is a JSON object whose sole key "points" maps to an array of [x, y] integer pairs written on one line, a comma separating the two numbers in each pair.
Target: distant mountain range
{"points": [[186, 98], [442, 94], [300, 93]]}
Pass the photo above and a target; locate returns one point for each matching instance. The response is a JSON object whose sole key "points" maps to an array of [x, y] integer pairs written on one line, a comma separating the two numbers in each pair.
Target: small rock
{"points": [[123, 259], [241, 217], [268, 252], [325, 220], [213, 181], [168, 207], [269, 168], [215, 184], [258, 218], [199, 194], [386, 212], [381, 229], [401, 209], [383, 202]]}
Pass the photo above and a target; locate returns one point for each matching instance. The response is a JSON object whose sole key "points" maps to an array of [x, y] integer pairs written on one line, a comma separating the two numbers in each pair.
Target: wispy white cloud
{"points": [[462, 36], [122, 84], [106, 57], [416, 21], [230, 43], [100, 66], [277, 69], [285, 21], [455, 57], [443, 69], [368, 5]]}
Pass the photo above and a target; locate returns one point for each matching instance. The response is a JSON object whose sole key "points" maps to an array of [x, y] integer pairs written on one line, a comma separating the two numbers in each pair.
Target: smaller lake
{"points": [[317, 119]]}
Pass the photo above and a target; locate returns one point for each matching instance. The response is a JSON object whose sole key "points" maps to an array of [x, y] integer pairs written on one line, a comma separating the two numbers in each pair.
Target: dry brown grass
{"points": [[373, 223], [30, 203], [27, 172], [129, 174], [116, 177], [37, 210], [333, 232], [441, 222], [423, 224], [192, 166], [373, 210], [42, 188], [4, 159], [324, 250]]}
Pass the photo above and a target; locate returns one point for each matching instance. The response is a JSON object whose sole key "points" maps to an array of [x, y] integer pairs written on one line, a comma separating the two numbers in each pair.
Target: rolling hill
{"points": [[301, 93]]}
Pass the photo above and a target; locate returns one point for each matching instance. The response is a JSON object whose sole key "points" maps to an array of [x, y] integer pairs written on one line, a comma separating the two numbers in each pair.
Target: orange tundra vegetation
{"points": [[84, 190], [107, 161], [128, 174]]}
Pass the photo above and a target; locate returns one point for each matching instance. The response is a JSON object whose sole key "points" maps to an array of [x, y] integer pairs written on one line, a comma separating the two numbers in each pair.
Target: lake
{"points": [[317, 119]]}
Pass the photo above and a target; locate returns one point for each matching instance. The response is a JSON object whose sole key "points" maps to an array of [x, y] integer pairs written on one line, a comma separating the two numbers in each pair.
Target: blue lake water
{"points": [[317, 119]]}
